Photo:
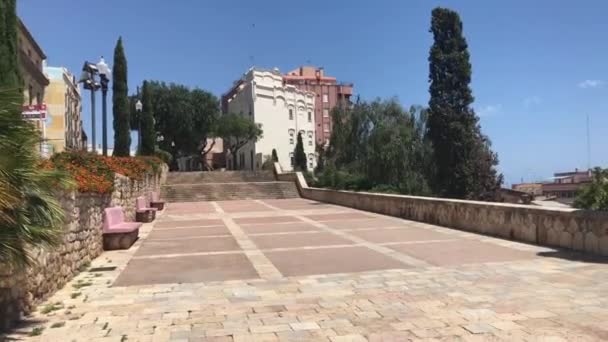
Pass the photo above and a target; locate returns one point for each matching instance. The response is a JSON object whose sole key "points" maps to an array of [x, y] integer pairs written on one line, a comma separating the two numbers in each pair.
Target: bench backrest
{"points": [[112, 216], [141, 203]]}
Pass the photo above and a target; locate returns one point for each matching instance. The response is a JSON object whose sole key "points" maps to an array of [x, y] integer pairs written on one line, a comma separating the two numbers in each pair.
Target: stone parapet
{"points": [[579, 230]]}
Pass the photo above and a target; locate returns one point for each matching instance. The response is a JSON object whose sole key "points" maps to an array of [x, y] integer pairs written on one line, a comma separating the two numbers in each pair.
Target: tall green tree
{"points": [[465, 163], [10, 77], [236, 131], [299, 155], [120, 102], [275, 156], [148, 133]]}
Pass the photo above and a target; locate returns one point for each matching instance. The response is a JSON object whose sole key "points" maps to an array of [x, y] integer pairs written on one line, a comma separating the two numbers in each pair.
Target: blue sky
{"points": [[539, 67]]}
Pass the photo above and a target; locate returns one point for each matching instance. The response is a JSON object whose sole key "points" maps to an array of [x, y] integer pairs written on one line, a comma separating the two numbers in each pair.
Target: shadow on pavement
{"points": [[574, 256]]}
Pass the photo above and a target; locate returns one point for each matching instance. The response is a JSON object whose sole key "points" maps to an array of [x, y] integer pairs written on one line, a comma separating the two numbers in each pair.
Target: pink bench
{"points": [[144, 213], [118, 234], [156, 202]]}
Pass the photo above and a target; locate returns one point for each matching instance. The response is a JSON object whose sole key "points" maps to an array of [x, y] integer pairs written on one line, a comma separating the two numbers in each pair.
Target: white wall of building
{"points": [[263, 97]]}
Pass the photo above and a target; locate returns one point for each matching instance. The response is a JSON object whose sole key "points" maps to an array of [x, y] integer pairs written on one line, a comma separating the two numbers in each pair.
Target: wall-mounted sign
{"points": [[34, 112]]}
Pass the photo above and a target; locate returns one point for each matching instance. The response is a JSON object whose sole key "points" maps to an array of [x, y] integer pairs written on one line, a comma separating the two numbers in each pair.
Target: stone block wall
{"points": [[579, 230], [21, 290]]}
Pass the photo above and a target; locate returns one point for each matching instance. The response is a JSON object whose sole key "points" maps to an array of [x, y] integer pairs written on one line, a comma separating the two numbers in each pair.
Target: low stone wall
{"points": [[21, 290], [578, 230]]}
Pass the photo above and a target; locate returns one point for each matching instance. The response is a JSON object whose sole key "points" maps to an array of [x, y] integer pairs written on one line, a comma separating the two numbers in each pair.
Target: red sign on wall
{"points": [[34, 112]]}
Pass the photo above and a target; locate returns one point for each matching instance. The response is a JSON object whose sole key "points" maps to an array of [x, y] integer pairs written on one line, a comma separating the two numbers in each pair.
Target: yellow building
{"points": [[63, 103]]}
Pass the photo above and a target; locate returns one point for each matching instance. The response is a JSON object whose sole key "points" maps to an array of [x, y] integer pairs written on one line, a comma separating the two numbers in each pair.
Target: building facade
{"points": [[329, 93], [64, 108], [565, 185], [31, 60], [282, 110]]}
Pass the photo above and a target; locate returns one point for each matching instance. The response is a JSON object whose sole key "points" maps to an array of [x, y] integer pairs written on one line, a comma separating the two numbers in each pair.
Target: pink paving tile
{"points": [[331, 260], [265, 219], [188, 223], [400, 235], [298, 240], [278, 228], [367, 223], [340, 216], [459, 252], [188, 269], [186, 246], [187, 232]]}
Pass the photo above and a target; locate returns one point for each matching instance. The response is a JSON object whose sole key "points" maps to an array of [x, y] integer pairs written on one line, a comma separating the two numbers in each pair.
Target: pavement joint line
{"points": [[188, 227], [267, 223], [287, 233], [416, 242], [268, 205], [181, 255], [263, 266], [192, 237], [217, 207], [406, 259]]}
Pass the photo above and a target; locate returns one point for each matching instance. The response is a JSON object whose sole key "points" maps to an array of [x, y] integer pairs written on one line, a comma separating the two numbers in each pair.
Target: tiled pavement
{"points": [[306, 271]]}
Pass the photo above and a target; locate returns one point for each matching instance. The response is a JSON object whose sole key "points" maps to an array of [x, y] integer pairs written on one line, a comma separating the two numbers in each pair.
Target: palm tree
{"points": [[29, 213]]}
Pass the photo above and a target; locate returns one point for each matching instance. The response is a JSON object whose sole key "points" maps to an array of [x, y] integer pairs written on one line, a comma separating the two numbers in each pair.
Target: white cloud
{"points": [[489, 110], [532, 101], [591, 84]]}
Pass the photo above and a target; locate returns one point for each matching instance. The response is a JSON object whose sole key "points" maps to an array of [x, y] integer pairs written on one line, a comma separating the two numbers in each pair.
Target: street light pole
{"points": [[88, 80], [104, 75], [138, 108]]}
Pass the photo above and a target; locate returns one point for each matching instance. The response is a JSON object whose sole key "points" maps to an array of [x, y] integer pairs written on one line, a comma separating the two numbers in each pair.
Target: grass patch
{"points": [[57, 325], [51, 307], [84, 266], [123, 338], [80, 284], [37, 331], [97, 275], [75, 295], [105, 326]]}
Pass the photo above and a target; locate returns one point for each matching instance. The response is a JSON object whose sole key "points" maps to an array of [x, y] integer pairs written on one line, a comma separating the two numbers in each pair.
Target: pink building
{"points": [[329, 92]]}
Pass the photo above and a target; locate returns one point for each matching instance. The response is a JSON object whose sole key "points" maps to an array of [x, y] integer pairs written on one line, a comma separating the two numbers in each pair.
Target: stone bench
{"points": [[143, 212], [156, 202], [118, 234]]}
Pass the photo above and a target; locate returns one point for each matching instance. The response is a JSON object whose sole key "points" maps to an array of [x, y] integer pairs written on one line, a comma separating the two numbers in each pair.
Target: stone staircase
{"points": [[224, 186]]}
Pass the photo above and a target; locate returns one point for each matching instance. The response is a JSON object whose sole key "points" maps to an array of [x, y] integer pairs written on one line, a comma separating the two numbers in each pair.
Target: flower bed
{"points": [[95, 173]]}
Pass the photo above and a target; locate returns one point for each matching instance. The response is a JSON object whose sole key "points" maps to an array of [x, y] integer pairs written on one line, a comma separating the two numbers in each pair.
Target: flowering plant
{"points": [[95, 173]]}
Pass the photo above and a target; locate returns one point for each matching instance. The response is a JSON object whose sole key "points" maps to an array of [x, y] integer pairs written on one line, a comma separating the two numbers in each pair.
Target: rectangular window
{"points": [[291, 141], [293, 162], [310, 142], [325, 113], [325, 98], [309, 116], [326, 127], [291, 114]]}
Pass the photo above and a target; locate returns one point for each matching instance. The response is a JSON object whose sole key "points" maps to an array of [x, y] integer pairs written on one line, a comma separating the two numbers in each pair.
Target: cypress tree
{"points": [[299, 155], [147, 123], [465, 165], [120, 103], [275, 157], [10, 75]]}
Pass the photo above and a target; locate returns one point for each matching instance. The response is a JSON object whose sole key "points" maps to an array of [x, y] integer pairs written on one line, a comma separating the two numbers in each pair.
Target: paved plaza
{"points": [[299, 270]]}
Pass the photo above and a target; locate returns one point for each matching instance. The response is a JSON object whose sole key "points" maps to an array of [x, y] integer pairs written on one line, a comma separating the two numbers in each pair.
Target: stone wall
{"points": [[578, 230], [82, 241]]}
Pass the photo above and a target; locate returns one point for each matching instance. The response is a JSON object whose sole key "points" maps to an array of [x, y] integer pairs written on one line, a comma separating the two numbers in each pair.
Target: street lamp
{"points": [[87, 78], [104, 75], [138, 109]]}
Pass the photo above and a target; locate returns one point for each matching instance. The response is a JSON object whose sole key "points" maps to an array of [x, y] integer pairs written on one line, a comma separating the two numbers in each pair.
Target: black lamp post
{"points": [[88, 80], [138, 108], [104, 75]]}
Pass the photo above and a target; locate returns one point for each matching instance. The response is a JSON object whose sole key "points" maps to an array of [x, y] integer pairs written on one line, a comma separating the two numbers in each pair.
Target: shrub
{"points": [[163, 155], [95, 173], [594, 196]]}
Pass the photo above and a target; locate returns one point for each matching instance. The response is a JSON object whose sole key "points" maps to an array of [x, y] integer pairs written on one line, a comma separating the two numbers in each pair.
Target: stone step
{"points": [[229, 191], [219, 177]]}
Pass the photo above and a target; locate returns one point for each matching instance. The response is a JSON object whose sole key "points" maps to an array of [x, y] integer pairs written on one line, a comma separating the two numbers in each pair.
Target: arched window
{"points": [[292, 132], [310, 139]]}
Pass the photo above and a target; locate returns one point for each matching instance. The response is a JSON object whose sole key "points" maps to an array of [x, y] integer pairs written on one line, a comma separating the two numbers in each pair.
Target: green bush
{"points": [[594, 196], [163, 155]]}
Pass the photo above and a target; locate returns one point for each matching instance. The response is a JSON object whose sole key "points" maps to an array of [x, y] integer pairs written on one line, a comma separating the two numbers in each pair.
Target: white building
{"points": [[281, 110]]}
